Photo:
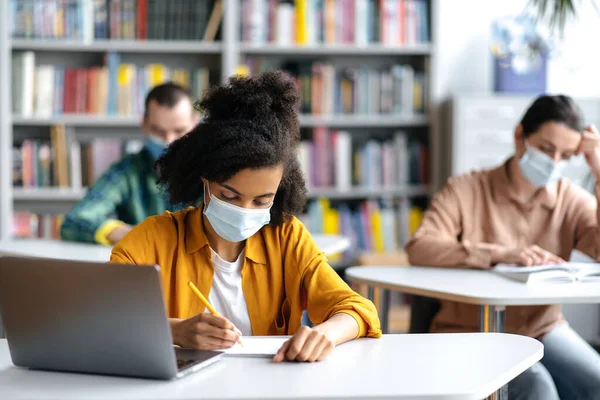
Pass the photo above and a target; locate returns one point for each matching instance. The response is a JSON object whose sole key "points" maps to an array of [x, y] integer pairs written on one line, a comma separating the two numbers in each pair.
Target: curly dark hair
{"points": [[248, 123]]}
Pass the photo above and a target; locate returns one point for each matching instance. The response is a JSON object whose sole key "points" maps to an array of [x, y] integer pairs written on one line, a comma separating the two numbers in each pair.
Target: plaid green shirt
{"points": [[126, 192]]}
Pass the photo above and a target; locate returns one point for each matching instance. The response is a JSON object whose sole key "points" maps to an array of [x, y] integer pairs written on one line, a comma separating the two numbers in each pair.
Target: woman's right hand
{"points": [[531, 255], [204, 332]]}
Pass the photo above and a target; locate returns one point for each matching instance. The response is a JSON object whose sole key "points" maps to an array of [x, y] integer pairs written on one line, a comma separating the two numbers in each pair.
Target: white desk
{"points": [[55, 249], [472, 286], [432, 367], [490, 291], [329, 244]]}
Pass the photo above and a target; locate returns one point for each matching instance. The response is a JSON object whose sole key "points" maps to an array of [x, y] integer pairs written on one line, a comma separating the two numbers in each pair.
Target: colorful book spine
{"points": [[360, 22], [333, 160], [399, 89], [88, 20], [372, 226]]}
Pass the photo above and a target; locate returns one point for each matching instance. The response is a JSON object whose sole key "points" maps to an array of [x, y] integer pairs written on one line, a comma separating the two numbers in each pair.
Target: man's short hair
{"points": [[166, 95]]}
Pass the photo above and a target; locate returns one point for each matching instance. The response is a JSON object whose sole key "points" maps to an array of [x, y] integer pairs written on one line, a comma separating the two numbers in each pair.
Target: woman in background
{"points": [[523, 213]]}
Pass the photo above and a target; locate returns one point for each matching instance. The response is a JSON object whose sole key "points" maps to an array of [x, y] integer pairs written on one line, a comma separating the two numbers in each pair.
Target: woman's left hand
{"points": [[590, 147], [308, 344]]}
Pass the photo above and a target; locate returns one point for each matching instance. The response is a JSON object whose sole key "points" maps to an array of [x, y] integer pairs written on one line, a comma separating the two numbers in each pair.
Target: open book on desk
{"points": [[551, 273]]}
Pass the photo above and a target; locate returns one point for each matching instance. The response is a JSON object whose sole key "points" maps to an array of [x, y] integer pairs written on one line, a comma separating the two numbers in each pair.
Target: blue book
{"points": [[100, 19], [112, 62], [423, 19], [315, 213], [12, 17], [59, 92], [358, 228], [370, 21]]}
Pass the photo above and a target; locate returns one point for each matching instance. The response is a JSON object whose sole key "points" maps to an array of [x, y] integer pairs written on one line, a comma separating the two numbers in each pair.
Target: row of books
{"points": [[115, 88], [360, 22], [29, 225], [329, 89], [64, 162], [335, 158], [87, 20], [373, 226]]}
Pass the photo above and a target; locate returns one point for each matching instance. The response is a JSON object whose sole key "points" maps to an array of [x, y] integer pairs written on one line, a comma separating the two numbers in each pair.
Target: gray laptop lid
{"points": [[86, 317]]}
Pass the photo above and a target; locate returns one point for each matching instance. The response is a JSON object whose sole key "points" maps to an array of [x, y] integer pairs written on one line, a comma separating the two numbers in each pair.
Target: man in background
{"points": [[127, 193]]}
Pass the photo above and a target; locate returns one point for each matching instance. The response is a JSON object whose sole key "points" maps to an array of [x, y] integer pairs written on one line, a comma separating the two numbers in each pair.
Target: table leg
{"points": [[491, 319], [384, 309], [371, 293]]}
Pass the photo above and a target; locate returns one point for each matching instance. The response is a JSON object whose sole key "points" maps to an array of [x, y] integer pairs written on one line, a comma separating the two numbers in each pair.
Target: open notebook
{"points": [[551, 273], [257, 346]]}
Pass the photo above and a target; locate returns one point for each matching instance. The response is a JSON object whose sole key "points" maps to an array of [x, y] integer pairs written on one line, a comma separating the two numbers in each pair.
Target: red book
{"points": [[69, 91], [402, 21], [90, 107], [81, 91], [142, 19]]}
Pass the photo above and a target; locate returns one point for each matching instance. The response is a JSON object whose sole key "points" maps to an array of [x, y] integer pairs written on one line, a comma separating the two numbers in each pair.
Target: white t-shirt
{"points": [[226, 294]]}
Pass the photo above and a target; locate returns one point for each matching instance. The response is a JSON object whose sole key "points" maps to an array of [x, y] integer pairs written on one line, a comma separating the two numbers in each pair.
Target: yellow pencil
{"points": [[205, 302]]}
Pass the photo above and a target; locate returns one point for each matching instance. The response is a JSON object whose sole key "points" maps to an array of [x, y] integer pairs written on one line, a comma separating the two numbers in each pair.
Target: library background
{"points": [[383, 118]]}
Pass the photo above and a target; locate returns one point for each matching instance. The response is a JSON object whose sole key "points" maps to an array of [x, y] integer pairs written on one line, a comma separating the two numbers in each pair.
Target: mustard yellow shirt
{"points": [[283, 274]]}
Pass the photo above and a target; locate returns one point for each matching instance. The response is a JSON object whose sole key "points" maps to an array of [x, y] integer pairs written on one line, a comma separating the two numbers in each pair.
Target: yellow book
{"points": [[329, 21], [126, 81], [331, 222], [331, 226], [377, 230], [181, 77], [301, 28], [58, 23], [415, 217], [418, 96], [157, 73], [242, 70], [357, 166]]}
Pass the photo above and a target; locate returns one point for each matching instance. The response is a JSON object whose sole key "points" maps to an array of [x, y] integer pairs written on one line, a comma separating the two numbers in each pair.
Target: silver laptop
{"points": [[92, 318]]}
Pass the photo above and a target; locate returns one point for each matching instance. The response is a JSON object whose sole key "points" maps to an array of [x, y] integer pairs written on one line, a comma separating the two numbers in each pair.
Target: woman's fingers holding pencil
{"points": [[206, 332], [308, 344]]}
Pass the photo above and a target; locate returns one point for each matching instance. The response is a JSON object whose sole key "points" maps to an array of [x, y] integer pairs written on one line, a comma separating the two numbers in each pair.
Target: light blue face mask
{"points": [[155, 146], [539, 168], [232, 223]]}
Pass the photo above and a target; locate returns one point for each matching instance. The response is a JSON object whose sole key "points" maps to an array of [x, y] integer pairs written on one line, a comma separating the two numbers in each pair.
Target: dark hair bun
{"points": [[272, 93]]}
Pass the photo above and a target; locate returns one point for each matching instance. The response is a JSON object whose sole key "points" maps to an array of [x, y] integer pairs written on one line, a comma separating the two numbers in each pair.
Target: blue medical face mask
{"points": [[539, 168], [232, 223], [155, 146]]}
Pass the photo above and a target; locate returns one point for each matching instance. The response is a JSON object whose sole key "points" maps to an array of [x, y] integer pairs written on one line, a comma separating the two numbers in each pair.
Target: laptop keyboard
{"points": [[182, 364]]}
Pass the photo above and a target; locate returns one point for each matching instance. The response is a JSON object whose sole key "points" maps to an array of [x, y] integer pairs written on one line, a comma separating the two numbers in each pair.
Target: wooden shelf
{"points": [[128, 46]]}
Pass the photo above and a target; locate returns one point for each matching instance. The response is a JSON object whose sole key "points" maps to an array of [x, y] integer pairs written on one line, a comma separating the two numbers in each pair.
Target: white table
{"points": [[432, 367], [329, 244], [486, 289], [62, 250]]}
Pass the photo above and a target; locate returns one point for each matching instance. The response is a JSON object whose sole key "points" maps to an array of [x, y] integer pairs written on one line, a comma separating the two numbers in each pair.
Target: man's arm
{"points": [[89, 221]]}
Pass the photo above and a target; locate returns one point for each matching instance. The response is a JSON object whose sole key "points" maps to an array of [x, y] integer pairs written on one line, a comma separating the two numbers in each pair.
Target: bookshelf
{"points": [[223, 56]]}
